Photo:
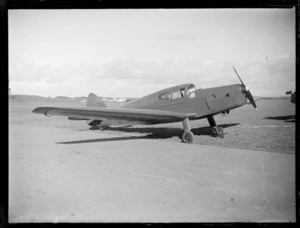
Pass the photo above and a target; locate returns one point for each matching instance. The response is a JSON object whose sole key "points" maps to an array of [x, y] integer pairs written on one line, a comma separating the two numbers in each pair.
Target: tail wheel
{"points": [[188, 137]]}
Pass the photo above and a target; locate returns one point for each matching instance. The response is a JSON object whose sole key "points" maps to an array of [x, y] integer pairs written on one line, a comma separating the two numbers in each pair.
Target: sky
{"points": [[134, 52]]}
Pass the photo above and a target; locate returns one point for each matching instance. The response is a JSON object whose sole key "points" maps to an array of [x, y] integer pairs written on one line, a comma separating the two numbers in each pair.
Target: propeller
{"points": [[247, 91]]}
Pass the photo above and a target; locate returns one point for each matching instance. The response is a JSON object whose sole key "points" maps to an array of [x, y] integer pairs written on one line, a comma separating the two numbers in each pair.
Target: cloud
{"points": [[124, 75], [135, 78]]}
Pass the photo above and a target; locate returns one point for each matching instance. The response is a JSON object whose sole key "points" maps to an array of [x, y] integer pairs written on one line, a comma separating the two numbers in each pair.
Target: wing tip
{"points": [[36, 110], [40, 110]]}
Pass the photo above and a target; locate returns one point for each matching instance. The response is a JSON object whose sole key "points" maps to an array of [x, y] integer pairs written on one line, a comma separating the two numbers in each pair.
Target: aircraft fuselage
{"points": [[204, 102]]}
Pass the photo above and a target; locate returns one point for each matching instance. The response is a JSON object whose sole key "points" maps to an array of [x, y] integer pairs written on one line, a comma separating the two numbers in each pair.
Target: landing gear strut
{"points": [[217, 131], [187, 136]]}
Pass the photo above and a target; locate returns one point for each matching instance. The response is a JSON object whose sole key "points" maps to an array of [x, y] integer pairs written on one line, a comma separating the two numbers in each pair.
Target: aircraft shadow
{"points": [[164, 132], [103, 140], [290, 118], [208, 130], [154, 133]]}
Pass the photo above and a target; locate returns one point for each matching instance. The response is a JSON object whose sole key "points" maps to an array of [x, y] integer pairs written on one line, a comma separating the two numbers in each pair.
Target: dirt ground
{"points": [[66, 171], [270, 128]]}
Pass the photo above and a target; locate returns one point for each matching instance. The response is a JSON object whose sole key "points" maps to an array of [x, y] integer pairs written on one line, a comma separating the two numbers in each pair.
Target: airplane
{"points": [[293, 96], [178, 103]]}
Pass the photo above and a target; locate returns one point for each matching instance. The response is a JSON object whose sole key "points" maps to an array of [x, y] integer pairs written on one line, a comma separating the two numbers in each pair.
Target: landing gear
{"points": [[187, 136], [217, 131]]}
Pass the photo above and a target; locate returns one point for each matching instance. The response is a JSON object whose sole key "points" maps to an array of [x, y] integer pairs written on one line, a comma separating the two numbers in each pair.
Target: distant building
{"points": [[121, 100], [114, 99], [82, 100]]}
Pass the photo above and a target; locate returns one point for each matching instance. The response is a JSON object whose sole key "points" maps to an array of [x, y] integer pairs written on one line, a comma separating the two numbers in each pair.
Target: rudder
{"points": [[94, 101]]}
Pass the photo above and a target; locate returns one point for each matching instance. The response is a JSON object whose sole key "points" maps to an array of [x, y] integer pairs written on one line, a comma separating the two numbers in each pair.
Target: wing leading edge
{"points": [[144, 116]]}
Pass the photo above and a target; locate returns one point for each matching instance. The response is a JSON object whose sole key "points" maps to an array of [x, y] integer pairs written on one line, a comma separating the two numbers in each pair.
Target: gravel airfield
{"points": [[66, 171]]}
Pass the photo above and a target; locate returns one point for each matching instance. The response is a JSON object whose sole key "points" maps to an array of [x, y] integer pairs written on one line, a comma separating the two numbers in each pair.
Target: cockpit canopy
{"points": [[183, 91]]}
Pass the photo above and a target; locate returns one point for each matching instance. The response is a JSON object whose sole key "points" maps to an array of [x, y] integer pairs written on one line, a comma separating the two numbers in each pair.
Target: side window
{"points": [[191, 92], [176, 94], [165, 96]]}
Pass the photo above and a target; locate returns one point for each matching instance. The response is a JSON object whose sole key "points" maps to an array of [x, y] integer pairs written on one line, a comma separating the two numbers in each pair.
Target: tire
{"points": [[221, 133], [188, 137]]}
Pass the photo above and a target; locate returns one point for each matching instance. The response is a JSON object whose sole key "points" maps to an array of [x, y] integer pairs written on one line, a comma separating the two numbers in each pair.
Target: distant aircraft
{"points": [[179, 103], [293, 96]]}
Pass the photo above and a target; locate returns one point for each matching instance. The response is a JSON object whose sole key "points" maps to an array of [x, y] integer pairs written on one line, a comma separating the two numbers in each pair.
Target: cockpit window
{"points": [[179, 93], [191, 91], [176, 94], [165, 96]]}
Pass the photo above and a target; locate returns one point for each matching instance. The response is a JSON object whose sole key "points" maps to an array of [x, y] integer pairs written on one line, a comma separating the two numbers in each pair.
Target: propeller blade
{"points": [[247, 91], [250, 98], [238, 76]]}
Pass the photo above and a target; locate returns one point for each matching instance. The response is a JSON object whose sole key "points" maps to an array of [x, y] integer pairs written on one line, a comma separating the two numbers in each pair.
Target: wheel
{"points": [[188, 137], [221, 132], [218, 132], [101, 128]]}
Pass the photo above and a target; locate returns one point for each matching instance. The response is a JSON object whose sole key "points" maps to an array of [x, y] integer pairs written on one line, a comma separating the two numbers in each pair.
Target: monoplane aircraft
{"points": [[293, 96], [178, 103]]}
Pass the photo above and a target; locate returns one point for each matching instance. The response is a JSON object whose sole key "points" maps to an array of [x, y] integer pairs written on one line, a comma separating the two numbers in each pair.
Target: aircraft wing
{"points": [[143, 116]]}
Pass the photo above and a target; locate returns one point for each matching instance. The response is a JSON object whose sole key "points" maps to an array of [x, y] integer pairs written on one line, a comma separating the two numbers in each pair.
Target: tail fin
{"points": [[94, 101]]}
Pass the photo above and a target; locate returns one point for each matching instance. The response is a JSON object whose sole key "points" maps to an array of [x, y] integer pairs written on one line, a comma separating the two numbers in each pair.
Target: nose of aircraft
{"points": [[249, 96], [246, 91]]}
